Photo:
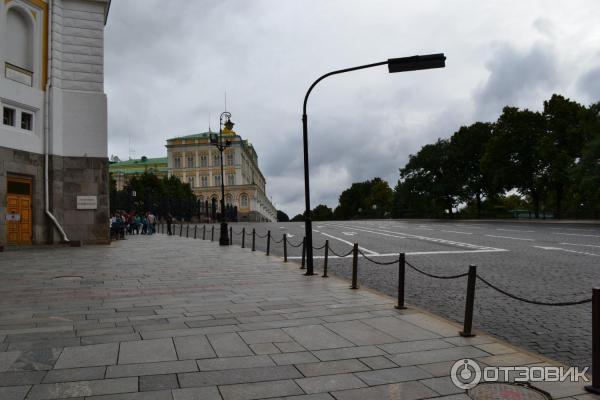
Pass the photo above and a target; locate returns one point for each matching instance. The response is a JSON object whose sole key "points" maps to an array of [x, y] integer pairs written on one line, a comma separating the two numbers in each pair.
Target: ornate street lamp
{"points": [[221, 145], [394, 65]]}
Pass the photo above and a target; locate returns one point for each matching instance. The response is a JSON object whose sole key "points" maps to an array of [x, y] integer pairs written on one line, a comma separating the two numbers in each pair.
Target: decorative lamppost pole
{"points": [[217, 141], [394, 65]]}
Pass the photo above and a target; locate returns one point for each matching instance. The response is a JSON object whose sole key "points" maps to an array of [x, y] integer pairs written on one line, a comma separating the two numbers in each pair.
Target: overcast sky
{"points": [[169, 63]]}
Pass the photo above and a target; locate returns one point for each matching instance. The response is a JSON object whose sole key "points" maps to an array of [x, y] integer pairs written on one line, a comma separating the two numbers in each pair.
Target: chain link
{"points": [[436, 276], [341, 256], [378, 262], [540, 303]]}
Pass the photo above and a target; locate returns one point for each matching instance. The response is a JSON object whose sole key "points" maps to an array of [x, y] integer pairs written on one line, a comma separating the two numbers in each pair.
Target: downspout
{"points": [[47, 129]]}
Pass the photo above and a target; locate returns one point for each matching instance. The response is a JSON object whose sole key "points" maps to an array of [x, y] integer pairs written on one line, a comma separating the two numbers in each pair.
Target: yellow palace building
{"points": [[194, 160]]}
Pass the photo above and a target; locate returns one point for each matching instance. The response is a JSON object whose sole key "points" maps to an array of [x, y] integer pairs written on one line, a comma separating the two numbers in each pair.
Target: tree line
{"points": [[546, 162]]}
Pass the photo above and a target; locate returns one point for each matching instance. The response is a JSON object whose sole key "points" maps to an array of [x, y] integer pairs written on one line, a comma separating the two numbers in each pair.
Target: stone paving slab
{"points": [[165, 318]]}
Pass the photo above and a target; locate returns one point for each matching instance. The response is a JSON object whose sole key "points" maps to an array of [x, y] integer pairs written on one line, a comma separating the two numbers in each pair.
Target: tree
{"points": [[467, 146], [369, 199], [513, 157], [298, 218], [432, 174], [561, 145], [282, 217], [322, 213]]}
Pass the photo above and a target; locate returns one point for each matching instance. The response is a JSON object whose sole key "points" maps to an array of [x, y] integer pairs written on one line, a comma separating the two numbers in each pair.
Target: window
{"points": [[20, 39], [244, 201], [190, 162], [177, 162], [216, 160], [228, 199], [8, 116], [203, 160], [231, 179], [204, 180], [191, 181], [26, 121], [217, 180], [230, 158]]}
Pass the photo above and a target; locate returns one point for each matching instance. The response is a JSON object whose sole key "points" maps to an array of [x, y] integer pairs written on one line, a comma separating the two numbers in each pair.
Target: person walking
{"points": [[169, 223], [151, 223]]}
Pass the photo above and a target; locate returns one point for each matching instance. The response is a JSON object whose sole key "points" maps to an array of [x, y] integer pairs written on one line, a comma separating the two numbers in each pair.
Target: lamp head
{"points": [[414, 63], [229, 125]]}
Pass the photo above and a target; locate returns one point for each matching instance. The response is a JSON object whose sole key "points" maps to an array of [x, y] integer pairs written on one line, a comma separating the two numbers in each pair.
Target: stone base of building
{"points": [[69, 177], [252, 216]]}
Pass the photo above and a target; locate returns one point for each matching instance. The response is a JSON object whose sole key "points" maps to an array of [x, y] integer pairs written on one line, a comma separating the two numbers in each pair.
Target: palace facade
{"points": [[194, 160], [53, 135]]}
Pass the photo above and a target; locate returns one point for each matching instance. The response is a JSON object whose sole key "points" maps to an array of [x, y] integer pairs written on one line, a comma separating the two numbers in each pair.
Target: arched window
{"points": [[244, 201], [19, 44], [228, 199]]}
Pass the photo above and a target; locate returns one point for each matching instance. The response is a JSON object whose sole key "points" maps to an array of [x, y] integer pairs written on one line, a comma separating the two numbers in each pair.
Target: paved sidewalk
{"points": [[153, 318]]}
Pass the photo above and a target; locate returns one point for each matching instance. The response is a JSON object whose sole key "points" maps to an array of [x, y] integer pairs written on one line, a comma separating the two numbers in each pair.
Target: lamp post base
{"points": [[224, 237]]}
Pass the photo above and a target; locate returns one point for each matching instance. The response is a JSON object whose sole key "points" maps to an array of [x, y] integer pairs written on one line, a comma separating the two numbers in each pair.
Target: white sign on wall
{"points": [[13, 217], [87, 202]]}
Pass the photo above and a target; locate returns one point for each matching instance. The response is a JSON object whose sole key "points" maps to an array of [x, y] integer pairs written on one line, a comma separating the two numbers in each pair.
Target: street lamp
{"points": [[217, 140], [394, 65]]}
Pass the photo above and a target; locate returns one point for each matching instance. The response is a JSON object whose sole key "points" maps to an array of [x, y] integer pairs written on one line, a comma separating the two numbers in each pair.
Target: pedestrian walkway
{"points": [[169, 318]]}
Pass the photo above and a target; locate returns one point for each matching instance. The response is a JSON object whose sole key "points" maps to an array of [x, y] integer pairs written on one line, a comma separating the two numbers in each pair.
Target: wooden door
{"points": [[18, 208]]}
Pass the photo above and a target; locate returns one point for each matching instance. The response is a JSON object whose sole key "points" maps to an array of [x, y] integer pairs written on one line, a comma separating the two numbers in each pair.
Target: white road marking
{"points": [[425, 229], [349, 233], [567, 250], [574, 234], [289, 235], [462, 233], [429, 239], [583, 245], [319, 226], [414, 253], [575, 229], [510, 237], [371, 252], [514, 230], [316, 231]]}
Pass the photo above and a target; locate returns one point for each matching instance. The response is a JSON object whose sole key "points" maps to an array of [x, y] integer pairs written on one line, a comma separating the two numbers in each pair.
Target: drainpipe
{"points": [[47, 129]]}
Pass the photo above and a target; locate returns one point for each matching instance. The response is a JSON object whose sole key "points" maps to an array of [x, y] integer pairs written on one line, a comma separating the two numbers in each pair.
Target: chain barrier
{"points": [[295, 245], [237, 233], [436, 276], [540, 303], [340, 256], [319, 248], [276, 241], [262, 236], [378, 262]]}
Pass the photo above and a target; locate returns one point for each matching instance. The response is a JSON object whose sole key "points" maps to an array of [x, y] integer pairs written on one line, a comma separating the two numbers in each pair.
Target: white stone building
{"points": [[53, 136]]}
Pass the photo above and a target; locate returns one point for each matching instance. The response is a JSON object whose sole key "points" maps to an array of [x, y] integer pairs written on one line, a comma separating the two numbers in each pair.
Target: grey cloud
{"points": [[515, 77], [589, 84]]}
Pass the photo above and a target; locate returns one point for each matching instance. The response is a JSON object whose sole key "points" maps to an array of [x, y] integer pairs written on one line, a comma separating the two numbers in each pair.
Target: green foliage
{"points": [[147, 192], [298, 218], [322, 213], [282, 217], [369, 199]]}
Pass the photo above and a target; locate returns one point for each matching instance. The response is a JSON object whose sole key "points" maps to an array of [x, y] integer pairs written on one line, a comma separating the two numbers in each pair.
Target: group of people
{"points": [[122, 223]]}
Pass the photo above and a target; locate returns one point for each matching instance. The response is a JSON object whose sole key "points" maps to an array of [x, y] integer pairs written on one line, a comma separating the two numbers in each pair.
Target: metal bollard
{"points": [[401, 281], [212, 235], [195, 231], [268, 242], [355, 267], [284, 247], [325, 259], [595, 386], [180, 230], [187, 231], [230, 235], [303, 265], [253, 239], [468, 324], [243, 238], [203, 232]]}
